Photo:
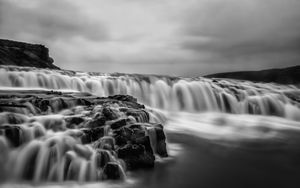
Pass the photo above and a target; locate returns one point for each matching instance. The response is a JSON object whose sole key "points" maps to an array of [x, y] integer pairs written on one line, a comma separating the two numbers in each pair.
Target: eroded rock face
{"points": [[83, 137], [24, 54]]}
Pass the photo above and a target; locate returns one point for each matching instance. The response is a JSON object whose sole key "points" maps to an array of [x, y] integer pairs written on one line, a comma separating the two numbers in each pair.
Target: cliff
{"points": [[24, 54], [290, 75]]}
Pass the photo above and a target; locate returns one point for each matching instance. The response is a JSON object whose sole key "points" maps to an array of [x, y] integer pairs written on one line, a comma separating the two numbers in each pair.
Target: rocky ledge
{"points": [[24, 54], [75, 136]]}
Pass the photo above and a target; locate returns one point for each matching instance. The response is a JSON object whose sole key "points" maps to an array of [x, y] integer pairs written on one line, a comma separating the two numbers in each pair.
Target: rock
{"points": [[43, 105], [13, 133], [91, 135], [135, 156], [12, 118], [112, 170], [106, 142], [119, 123], [140, 115], [72, 121], [155, 134], [98, 131], [145, 141], [24, 54], [158, 140], [110, 114], [103, 157], [123, 135], [98, 122]]}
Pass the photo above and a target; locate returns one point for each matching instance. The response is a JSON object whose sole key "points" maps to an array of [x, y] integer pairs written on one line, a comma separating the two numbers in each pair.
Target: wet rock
{"points": [[158, 140], [112, 170], [72, 122], [123, 135], [12, 118], [135, 156], [43, 105], [91, 135], [98, 122], [106, 142], [119, 123], [12, 133], [139, 115], [103, 157], [97, 129], [110, 114], [143, 132], [145, 141]]}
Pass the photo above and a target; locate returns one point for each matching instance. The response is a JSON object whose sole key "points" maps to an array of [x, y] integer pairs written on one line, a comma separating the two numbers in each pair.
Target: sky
{"points": [[169, 37]]}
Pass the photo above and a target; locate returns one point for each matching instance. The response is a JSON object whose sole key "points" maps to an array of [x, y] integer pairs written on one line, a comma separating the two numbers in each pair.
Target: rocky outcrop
{"points": [[97, 138], [24, 54]]}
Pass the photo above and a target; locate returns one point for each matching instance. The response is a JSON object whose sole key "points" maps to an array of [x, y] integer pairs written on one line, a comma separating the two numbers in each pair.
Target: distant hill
{"points": [[24, 54], [290, 75]]}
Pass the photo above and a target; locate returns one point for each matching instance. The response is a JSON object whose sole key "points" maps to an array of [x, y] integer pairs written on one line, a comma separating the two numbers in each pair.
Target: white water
{"points": [[171, 94], [225, 111]]}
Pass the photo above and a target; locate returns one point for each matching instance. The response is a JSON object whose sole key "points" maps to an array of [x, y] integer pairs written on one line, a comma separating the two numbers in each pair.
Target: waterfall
{"points": [[53, 136], [167, 93]]}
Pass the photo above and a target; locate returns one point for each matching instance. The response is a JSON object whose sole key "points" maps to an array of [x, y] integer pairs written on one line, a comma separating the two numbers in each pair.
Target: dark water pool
{"points": [[203, 163]]}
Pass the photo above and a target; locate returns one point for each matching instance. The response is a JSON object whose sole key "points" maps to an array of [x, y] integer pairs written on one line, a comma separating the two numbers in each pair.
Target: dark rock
{"points": [[110, 114], [135, 156], [43, 104], [12, 133], [158, 140], [24, 54], [112, 171], [91, 135], [106, 142], [123, 135], [71, 121], [119, 123], [145, 141], [139, 114], [98, 122]]}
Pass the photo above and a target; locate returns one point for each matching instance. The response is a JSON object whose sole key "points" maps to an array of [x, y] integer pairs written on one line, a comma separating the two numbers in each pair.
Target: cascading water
{"points": [[172, 94], [215, 109]]}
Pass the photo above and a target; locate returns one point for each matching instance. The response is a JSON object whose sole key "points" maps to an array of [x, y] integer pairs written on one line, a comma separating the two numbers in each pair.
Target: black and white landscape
{"points": [[132, 94]]}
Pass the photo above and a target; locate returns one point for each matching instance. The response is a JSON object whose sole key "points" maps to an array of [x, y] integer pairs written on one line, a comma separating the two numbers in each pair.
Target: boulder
{"points": [[113, 171], [135, 156], [158, 140]]}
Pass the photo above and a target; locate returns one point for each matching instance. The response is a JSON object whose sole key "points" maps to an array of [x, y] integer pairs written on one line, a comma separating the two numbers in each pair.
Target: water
{"points": [[234, 133]]}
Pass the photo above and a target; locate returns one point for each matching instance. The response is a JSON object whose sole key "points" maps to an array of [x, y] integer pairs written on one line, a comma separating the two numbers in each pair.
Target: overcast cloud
{"points": [[175, 37]]}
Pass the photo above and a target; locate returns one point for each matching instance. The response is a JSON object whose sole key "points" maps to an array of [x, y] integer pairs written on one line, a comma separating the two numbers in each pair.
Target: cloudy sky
{"points": [[174, 37]]}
